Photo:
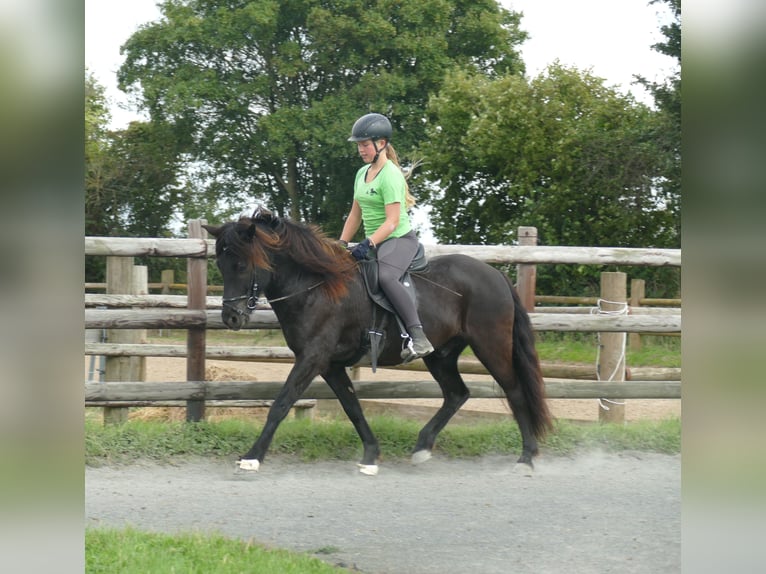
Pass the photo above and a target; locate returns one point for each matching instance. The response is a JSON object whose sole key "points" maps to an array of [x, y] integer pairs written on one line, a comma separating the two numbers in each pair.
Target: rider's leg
{"points": [[394, 256]]}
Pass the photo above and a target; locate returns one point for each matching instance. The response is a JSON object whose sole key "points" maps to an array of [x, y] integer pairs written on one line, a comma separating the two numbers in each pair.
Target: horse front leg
{"points": [[338, 380], [297, 382]]}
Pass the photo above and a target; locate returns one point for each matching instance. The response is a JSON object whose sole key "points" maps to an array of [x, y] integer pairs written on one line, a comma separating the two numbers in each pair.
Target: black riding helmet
{"points": [[371, 127]]}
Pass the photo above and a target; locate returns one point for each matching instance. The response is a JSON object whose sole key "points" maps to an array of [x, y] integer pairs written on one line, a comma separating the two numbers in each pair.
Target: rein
{"points": [[424, 278], [306, 290], [252, 297]]}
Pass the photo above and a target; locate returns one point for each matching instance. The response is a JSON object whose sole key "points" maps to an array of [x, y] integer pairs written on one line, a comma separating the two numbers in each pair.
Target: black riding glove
{"points": [[362, 248]]}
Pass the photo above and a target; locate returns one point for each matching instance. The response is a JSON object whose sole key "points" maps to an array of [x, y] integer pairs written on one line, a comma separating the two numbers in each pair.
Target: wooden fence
{"points": [[196, 312]]}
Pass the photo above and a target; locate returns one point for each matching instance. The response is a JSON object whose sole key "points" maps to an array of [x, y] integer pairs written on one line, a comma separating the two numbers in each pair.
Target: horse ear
{"points": [[264, 215], [251, 231], [211, 229]]}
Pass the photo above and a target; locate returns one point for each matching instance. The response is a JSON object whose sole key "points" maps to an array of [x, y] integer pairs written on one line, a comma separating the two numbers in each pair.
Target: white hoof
{"points": [[523, 469], [252, 464], [421, 456], [368, 469]]}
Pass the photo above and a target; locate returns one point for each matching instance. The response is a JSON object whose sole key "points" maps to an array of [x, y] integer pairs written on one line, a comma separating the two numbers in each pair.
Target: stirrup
{"points": [[408, 353]]}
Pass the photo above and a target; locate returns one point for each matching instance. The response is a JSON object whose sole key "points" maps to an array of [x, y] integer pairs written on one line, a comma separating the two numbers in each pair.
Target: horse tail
{"points": [[526, 366]]}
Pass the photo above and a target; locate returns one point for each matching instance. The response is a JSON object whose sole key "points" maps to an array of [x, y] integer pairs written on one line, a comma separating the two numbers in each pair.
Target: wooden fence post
{"points": [[121, 279], [167, 279], [526, 274], [611, 358], [141, 287], [195, 337], [637, 293]]}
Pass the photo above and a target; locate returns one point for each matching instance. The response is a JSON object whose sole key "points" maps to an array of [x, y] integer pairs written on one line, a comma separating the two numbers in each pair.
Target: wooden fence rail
{"points": [[582, 304], [285, 355], [263, 319], [424, 389], [510, 254]]}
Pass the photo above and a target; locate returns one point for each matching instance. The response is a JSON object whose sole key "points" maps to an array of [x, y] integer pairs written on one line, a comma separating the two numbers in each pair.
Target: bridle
{"points": [[251, 296]]}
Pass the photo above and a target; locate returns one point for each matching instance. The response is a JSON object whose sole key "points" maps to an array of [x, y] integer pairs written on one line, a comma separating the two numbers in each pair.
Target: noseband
{"points": [[251, 296]]}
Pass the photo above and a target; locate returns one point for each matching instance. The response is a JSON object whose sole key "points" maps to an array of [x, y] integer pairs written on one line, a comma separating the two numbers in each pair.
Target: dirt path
{"points": [[593, 513]]}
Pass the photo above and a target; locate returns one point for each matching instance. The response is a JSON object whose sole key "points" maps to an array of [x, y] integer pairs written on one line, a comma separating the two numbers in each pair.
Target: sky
{"points": [[610, 38]]}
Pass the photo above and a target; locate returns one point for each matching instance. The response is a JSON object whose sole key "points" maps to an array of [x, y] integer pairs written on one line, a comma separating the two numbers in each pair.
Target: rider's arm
{"points": [[353, 221], [393, 212]]}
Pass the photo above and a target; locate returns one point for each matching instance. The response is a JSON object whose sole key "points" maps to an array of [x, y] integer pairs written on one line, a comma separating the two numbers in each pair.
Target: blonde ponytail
{"points": [[409, 199]]}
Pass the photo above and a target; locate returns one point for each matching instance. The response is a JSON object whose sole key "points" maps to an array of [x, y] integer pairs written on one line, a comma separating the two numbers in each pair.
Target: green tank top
{"points": [[389, 186]]}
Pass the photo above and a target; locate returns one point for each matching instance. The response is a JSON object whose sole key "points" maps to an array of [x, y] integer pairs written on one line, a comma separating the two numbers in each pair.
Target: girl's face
{"points": [[366, 150]]}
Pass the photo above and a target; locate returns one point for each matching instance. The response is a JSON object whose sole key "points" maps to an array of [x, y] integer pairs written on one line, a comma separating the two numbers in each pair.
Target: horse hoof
{"points": [[524, 469], [368, 469], [251, 464], [421, 456]]}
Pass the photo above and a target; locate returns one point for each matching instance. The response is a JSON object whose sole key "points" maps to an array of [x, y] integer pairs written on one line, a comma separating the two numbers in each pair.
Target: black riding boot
{"points": [[419, 345]]}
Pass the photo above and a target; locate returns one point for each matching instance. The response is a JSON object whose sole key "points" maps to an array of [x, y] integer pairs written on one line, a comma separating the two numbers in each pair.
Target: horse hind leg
{"points": [[444, 369], [523, 417], [498, 362]]}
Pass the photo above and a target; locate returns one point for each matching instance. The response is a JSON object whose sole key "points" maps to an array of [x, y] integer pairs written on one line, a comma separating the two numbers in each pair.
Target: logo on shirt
{"points": [[372, 191]]}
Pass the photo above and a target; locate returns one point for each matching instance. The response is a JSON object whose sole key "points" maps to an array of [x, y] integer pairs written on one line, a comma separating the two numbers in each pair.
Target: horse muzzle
{"points": [[234, 316]]}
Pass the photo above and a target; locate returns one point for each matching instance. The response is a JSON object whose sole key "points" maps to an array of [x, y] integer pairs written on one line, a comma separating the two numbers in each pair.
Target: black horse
{"points": [[318, 295]]}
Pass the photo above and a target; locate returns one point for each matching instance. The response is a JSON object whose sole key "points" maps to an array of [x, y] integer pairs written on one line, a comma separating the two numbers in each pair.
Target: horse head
{"points": [[242, 257]]}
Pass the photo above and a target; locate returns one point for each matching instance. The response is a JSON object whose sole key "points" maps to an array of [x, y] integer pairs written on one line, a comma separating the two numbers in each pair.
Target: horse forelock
{"points": [[236, 238]]}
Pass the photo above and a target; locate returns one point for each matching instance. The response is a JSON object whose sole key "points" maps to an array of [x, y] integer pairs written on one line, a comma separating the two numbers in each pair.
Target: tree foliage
{"points": [[268, 90], [667, 98], [562, 152], [131, 184]]}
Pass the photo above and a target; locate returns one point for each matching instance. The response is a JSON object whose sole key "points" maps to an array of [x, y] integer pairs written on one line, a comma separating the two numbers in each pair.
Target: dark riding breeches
{"points": [[394, 257]]}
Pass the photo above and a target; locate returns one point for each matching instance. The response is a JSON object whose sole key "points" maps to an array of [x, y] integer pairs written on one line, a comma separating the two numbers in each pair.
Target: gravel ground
{"points": [[591, 513]]}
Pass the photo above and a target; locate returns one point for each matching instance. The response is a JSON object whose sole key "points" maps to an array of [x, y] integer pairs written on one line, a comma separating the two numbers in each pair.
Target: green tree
{"points": [[561, 152], [667, 98], [131, 186], [268, 90], [97, 142]]}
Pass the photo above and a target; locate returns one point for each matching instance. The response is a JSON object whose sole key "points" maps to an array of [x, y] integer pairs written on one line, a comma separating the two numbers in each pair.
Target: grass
{"points": [[131, 551], [656, 351], [336, 439]]}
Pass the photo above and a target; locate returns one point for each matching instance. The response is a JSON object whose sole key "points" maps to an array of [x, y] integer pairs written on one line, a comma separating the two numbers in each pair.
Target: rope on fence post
{"points": [[610, 360], [599, 310]]}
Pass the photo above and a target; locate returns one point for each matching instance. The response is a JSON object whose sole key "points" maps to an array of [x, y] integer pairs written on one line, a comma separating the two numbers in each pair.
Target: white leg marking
{"points": [[368, 469], [421, 456], [249, 464], [523, 469]]}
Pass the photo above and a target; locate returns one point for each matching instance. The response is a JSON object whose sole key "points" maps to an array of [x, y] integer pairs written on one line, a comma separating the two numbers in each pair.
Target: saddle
{"points": [[369, 271]]}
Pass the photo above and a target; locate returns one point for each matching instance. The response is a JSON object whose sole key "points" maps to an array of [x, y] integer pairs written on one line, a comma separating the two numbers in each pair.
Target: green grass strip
{"points": [[130, 551], [335, 439]]}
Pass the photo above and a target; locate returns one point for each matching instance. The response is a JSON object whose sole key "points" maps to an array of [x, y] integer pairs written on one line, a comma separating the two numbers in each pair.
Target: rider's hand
{"points": [[362, 248]]}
